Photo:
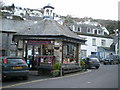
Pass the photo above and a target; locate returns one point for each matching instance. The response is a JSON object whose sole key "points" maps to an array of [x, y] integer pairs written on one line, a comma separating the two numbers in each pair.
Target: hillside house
{"points": [[97, 38]]}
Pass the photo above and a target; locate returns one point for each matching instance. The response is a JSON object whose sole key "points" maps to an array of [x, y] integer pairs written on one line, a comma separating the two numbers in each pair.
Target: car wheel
{"points": [[97, 67], [3, 79], [25, 78], [111, 63], [104, 63]]}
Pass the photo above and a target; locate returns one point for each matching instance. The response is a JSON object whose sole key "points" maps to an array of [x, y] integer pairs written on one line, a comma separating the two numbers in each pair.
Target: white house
{"points": [[93, 44], [98, 40]]}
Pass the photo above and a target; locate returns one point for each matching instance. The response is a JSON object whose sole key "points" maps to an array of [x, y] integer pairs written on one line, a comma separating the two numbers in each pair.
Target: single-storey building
{"points": [[48, 38]]}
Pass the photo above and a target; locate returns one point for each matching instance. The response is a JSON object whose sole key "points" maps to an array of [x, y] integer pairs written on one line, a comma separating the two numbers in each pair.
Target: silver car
{"points": [[93, 62]]}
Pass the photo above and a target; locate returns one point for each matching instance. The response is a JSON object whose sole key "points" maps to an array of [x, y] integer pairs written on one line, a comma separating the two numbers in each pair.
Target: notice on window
{"points": [[29, 52], [42, 60]]}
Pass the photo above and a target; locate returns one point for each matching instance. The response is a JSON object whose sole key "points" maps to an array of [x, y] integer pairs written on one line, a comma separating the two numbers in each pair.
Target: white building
{"points": [[26, 11], [92, 46], [98, 40]]}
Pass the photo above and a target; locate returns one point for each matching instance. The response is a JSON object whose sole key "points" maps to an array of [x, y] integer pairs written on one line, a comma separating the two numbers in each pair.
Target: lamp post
{"points": [[118, 37], [26, 52], [119, 41]]}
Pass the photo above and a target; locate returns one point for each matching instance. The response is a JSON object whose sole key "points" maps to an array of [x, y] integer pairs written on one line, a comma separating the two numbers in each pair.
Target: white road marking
{"points": [[88, 82]]}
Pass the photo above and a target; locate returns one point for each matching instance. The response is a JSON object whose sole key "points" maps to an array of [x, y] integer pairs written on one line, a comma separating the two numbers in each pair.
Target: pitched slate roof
{"points": [[14, 25], [48, 27]]}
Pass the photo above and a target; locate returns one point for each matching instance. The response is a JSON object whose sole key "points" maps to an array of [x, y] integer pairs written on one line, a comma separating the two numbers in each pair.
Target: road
{"points": [[104, 77]]}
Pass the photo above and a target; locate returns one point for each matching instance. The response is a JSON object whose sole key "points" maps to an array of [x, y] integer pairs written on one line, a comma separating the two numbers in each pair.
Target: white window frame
{"points": [[93, 41], [103, 42], [89, 31], [79, 29]]}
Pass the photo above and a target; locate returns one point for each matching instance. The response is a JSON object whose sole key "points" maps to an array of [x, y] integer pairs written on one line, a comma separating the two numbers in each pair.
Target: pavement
{"points": [[35, 72]]}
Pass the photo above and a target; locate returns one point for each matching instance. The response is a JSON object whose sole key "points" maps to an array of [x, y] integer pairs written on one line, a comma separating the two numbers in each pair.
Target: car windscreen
{"points": [[94, 59], [15, 61]]}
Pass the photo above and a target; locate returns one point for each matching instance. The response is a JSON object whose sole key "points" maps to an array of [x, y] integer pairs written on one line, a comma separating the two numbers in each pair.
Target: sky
{"points": [[97, 9]]}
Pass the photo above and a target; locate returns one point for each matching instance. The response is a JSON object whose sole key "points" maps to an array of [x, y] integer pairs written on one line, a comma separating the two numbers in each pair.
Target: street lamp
{"points": [[25, 50], [118, 37]]}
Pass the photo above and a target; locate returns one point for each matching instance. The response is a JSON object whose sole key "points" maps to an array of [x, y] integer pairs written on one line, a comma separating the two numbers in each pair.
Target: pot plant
{"points": [[55, 70]]}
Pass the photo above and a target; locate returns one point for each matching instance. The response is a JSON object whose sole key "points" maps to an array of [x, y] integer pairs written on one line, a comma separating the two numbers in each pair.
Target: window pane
{"points": [[94, 42]]}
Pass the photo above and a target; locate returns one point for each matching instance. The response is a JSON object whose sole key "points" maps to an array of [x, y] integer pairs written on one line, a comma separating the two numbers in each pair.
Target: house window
{"points": [[83, 53], [89, 30], [79, 29], [99, 32], [103, 43], [76, 29], [94, 42], [93, 53], [85, 43], [95, 31]]}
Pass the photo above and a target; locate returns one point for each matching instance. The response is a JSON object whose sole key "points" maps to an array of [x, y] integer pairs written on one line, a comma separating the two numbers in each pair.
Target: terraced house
{"points": [[98, 43]]}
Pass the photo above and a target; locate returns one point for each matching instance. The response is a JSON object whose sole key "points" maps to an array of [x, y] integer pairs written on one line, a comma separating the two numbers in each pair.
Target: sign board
{"points": [[31, 42]]}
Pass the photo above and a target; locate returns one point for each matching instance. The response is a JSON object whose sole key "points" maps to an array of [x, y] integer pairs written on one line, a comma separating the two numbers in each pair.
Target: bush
{"points": [[17, 18], [56, 66], [56, 69], [55, 73]]}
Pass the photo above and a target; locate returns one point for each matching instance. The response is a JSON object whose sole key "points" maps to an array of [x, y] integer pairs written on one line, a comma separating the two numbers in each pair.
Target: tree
{"points": [[13, 6]]}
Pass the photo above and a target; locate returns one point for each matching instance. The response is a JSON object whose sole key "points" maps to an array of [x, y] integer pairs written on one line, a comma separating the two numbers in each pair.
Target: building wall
{"points": [[8, 48], [93, 48], [119, 48]]}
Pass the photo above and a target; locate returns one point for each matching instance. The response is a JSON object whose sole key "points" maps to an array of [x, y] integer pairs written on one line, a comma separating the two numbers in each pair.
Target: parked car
{"points": [[14, 67], [94, 56], [111, 59], [93, 62]]}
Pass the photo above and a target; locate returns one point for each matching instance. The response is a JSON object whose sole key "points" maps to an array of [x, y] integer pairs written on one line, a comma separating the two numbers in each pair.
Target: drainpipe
{"points": [[7, 45], [118, 41], [26, 52]]}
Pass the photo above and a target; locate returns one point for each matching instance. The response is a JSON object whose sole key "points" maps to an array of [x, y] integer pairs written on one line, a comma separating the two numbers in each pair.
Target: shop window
{"points": [[47, 50], [69, 53], [39, 48]]}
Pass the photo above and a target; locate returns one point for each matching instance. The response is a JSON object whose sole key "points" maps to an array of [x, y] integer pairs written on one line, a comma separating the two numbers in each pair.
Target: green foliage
{"points": [[56, 66], [55, 73], [109, 24], [1, 14], [56, 70], [17, 18]]}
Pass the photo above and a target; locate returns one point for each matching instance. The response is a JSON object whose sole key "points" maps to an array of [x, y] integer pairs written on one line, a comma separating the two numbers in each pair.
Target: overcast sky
{"points": [[97, 9]]}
